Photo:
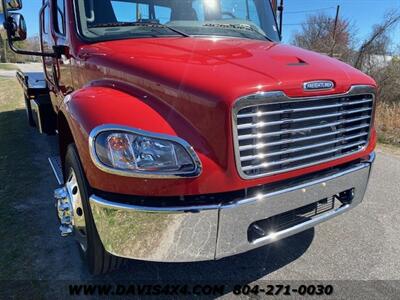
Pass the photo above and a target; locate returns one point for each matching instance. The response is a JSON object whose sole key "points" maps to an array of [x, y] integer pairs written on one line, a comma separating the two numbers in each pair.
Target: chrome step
{"points": [[55, 163]]}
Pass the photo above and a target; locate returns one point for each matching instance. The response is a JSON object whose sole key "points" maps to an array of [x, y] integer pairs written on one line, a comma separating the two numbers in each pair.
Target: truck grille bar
{"points": [[275, 134]]}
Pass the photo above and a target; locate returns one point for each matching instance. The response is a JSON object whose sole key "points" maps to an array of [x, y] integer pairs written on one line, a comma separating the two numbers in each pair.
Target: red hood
{"points": [[192, 82], [214, 66]]}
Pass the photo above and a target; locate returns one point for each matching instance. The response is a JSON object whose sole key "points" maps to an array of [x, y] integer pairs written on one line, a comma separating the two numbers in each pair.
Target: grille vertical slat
{"points": [[279, 136]]}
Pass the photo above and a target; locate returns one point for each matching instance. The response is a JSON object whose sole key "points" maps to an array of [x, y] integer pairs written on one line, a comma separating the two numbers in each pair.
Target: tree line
{"points": [[8, 56], [374, 55]]}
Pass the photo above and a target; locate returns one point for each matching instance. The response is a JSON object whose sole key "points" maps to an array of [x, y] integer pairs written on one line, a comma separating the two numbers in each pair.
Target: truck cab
{"points": [[187, 131]]}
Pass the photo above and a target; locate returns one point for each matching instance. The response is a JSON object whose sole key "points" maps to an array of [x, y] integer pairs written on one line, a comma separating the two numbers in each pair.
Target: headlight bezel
{"points": [[112, 128]]}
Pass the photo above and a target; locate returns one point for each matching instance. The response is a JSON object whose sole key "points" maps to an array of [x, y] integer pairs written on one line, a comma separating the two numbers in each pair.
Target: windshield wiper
{"points": [[238, 26], [140, 24]]}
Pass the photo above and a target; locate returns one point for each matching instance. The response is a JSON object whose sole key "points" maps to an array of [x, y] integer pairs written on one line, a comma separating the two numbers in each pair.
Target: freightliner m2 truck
{"points": [[187, 131]]}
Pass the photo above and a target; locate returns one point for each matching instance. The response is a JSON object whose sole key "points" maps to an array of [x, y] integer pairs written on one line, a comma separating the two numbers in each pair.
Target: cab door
{"points": [[54, 34]]}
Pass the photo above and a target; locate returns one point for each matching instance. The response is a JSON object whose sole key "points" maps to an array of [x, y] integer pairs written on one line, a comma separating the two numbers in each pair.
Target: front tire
{"points": [[90, 246]]}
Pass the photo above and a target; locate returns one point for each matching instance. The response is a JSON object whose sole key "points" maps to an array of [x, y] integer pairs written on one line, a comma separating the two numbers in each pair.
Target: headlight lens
{"points": [[139, 153]]}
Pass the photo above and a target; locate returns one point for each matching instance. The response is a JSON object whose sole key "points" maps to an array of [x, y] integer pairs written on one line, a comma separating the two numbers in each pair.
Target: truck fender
{"points": [[94, 106]]}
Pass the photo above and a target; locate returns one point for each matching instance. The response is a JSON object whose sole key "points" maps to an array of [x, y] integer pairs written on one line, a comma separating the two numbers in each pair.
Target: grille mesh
{"points": [[275, 137]]}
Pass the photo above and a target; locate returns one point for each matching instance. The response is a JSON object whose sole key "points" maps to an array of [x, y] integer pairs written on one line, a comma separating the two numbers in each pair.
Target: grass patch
{"points": [[8, 67], [11, 96], [388, 123], [17, 173], [14, 174]]}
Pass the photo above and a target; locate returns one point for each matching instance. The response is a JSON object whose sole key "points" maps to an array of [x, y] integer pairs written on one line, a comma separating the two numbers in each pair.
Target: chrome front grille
{"points": [[275, 134]]}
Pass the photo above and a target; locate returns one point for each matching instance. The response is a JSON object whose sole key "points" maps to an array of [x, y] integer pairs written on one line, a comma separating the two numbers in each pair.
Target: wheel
{"points": [[29, 115], [98, 259]]}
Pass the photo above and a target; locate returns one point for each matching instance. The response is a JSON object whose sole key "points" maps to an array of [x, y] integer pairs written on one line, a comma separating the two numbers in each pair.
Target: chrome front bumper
{"points": [[195, 233]]}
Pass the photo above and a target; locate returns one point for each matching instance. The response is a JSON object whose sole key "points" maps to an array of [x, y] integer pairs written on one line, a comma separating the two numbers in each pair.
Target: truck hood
{"points": [[193, 82], [223, 68]]}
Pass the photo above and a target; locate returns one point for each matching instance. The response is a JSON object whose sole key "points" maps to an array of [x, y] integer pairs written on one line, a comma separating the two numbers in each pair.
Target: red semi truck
{"points": [[187, 131]]}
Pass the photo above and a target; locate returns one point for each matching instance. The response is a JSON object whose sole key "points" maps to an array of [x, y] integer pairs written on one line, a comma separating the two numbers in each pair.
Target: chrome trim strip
{"points": [[293, 110], [299, 158], [278, 97], [314, 163], [290, 121], [55, 171], [36, 110], [286, 141], [149, 209], [297, 149], [290, 131], [143, 174]]}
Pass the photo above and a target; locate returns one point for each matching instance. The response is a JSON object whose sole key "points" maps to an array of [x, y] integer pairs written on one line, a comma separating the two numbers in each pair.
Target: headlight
{"points": [[133, 152]]}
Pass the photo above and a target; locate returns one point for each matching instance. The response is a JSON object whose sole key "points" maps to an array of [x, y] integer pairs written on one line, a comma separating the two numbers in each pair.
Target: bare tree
{"points": [[378, 41], [3, 52], [388, 79], [317, 34], [32, 43]]}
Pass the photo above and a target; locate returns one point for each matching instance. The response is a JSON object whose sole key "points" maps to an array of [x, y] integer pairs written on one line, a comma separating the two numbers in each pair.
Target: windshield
{"points": [[100, 20]]}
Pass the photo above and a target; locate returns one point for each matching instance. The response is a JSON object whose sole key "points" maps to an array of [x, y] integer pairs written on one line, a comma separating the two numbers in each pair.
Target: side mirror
{"points": [[13, 5], [13, 27], [17, 26], [6, 6]]}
